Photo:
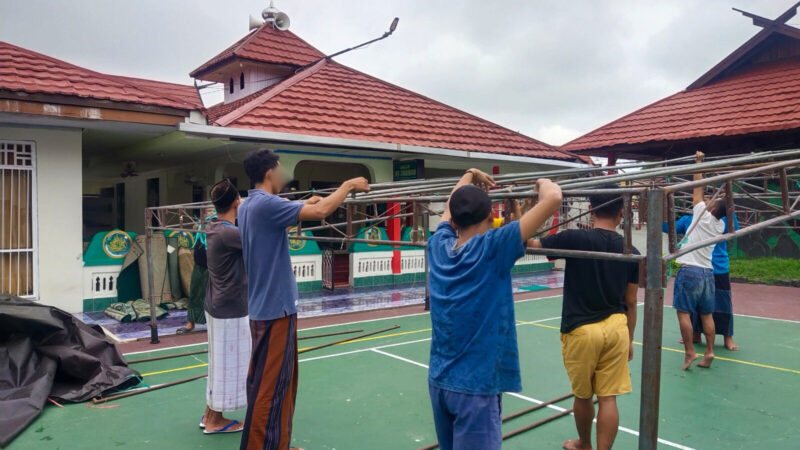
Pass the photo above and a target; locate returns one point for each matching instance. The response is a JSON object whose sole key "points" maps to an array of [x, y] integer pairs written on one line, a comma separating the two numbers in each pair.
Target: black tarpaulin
{"points": [[46, 352]]}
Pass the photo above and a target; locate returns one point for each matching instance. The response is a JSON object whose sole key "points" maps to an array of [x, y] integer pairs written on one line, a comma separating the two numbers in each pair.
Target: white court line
{"points": [[406, 315], [396, 344], [533, 400], [165, 348]]}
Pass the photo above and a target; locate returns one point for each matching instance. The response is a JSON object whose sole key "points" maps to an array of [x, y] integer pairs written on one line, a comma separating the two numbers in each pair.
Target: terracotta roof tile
{"points": [[763, 98], [266, 44], [337, 101], [28, 71]]}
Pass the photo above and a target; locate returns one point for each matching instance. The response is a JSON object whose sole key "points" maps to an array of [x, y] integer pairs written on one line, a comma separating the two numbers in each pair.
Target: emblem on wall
{"points": [[295, 244], [184, 239], [373, 233], [116, 244]]}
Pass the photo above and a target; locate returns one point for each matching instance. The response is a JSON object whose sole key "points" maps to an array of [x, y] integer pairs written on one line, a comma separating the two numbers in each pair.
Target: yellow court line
{"points": [[174, 370], [721, 358], [383, 336]]}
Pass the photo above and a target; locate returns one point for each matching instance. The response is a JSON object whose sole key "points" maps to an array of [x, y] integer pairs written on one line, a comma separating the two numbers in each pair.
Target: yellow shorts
{"points": [[596, 357]]}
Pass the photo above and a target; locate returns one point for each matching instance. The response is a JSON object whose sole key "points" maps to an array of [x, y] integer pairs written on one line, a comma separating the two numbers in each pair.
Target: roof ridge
{"points": [[486, 121], [277, 89], [741, 52]]}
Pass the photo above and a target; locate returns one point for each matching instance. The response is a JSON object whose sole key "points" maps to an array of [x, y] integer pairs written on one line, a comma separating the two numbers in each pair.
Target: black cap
{"points": [[469, 205]]}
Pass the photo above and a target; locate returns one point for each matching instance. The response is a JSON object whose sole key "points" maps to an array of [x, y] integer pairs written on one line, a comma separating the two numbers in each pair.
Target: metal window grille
{"points": [[18, 253]]}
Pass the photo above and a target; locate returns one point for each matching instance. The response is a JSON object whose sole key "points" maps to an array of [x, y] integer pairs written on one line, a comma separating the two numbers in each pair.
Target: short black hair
{"points": [[469, 205], [258, 163], [223, 194], [610, 210], [719, 209]]}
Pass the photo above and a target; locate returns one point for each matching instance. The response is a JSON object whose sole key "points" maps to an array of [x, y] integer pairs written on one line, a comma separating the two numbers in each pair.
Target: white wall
{"points": [[60, 218]]}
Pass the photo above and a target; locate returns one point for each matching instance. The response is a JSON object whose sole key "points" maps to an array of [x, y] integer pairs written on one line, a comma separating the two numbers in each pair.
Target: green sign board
{"points": [[409, 170]]}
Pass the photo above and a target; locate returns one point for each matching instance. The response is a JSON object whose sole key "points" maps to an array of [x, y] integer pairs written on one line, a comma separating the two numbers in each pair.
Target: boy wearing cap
{"points": [[474, 357]]}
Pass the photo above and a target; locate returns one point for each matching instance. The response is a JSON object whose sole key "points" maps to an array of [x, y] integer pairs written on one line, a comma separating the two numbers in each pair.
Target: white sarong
{"points": [[229, 345]]}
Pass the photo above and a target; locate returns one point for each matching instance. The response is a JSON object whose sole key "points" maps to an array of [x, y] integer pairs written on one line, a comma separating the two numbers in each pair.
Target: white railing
{"points": [[307, 267], [100, 281], [412, 261], [531, 259], [370, 264]]}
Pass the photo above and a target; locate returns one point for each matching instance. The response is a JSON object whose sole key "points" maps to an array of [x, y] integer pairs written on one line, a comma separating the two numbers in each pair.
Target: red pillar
{"points": [[393, 229]]}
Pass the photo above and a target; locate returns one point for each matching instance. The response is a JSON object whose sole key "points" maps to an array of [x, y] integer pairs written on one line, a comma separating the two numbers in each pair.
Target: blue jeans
{"points": [[694, 290], [466, 422]]}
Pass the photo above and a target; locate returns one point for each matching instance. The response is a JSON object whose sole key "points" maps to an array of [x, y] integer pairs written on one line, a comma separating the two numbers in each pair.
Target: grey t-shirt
{"points": [[226, 291]]}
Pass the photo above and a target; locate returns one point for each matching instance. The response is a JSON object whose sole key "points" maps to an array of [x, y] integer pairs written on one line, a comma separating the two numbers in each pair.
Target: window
{"points": [[241, 81], [18, 218], [230, 86]]}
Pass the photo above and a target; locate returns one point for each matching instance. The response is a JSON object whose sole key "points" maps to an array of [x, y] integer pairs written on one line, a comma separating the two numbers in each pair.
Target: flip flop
{"points": [[225, 429], [202, 420], [184, 330]]}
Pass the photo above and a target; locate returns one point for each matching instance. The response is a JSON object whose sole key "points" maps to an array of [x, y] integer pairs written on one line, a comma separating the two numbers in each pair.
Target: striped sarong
{"points": [[271, 384], [228, 360]]}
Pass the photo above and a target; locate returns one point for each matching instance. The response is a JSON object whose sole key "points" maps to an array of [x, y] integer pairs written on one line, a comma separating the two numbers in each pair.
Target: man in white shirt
{"points": [[694, 284]]}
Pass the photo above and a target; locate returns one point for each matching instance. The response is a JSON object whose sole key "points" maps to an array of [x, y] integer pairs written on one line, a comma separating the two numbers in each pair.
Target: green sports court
{"points": [[372, 393]]}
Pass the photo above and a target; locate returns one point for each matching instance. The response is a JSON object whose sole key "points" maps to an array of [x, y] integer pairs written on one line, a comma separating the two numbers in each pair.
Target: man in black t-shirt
{"points": [[597, 320]]}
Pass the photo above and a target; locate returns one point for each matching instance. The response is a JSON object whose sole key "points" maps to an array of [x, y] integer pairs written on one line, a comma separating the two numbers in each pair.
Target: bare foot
{"points": [[575, 444], [688, 360], [729, 343], [706, 362]]}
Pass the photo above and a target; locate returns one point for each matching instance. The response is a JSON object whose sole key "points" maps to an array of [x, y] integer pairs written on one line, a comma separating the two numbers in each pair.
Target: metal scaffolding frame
{"points": [[656, 189]]}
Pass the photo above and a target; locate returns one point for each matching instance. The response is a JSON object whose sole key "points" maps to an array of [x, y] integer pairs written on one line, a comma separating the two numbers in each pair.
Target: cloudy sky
{"points": [[548, 68]]}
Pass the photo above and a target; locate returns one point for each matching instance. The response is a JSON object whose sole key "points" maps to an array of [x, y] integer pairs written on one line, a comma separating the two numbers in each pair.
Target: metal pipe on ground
{"points": [[539, 423], [143, 391]]}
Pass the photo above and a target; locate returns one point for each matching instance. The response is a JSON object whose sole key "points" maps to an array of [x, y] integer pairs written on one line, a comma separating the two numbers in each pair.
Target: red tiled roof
{"points": [[762, 98], [28, 71], [330, 99], [266, 44]]}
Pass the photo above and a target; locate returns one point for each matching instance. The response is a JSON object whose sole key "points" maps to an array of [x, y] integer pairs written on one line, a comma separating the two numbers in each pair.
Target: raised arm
{"points": [[549, 202], [322, 208], [697, 193], [471, 176]]}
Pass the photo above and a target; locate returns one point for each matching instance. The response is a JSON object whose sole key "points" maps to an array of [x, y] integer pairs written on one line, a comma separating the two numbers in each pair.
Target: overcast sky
{"points": [[548, 68]]}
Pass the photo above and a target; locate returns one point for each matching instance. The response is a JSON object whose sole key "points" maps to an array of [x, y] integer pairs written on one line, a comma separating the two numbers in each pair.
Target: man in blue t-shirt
{"points": [[723, 306], [272, 295], [474, 357]]}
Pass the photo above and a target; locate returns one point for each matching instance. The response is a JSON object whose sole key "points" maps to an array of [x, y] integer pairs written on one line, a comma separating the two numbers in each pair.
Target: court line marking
{"points": [[165, 348], [676, 350], [424, 313], [396, 344], [177, 369], [533, 400], [329, 326], [409, 315]]}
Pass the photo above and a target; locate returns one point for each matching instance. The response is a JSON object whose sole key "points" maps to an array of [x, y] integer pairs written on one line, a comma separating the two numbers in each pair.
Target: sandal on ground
{"points": [[184, 330], [225, 429]]}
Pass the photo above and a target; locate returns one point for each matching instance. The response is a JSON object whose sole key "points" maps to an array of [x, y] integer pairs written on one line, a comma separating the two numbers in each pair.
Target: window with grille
{"points": [[17, 218]]}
